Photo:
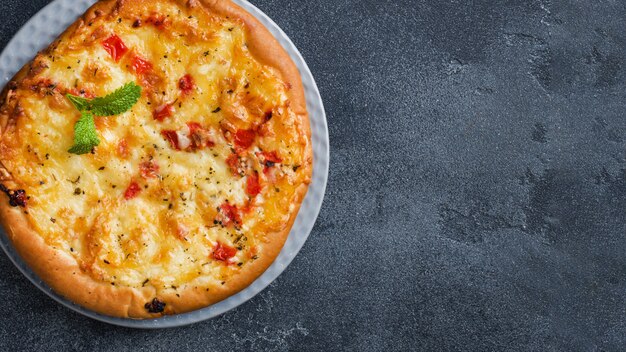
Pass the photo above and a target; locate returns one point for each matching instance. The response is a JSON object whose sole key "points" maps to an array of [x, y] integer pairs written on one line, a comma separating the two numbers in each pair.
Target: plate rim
{"points": [[313, 202]]}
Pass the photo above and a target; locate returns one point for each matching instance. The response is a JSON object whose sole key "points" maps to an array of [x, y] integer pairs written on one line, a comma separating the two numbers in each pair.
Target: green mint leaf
{"points": [[79, 102], [117, 102], [85, 135]]}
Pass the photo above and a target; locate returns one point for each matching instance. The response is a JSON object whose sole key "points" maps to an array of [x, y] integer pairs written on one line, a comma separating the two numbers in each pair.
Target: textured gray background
{"points": [[477, 191]]}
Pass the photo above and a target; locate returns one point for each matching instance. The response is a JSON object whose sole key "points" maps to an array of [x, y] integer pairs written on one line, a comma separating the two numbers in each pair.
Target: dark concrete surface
{"points": [[476, 198]]}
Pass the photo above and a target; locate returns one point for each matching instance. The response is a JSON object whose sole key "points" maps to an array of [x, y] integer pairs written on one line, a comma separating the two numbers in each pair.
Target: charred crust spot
{"points": [[17, 197], [155, 306], [118, 6], [18, 111], [268, 115], [137, 23]]}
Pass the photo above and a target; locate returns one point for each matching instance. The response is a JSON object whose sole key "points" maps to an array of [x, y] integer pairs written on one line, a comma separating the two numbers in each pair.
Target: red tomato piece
{"points": [[149, 169], [270, 174], [252, 185], [132, 191], [244, 138], [233, 163], [172, 137], [140, 65], [268, 159], [185, 83], [194, 126], [228, 214], [115, 47], [223, 252], [162, 112], [199, 136], [272, 157]]}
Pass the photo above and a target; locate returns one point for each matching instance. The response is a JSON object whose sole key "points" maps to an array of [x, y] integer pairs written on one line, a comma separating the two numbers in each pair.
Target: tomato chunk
{"points": [[244, 138], [140, 65], [228, 214], [272, 157], [115, 47], [252, 185], [149, 169], [199, 136], [132, 191], [162, 112], [194, 126], [233, 163], [269, 159], [185, 83], [172, 137], [223, 252]]}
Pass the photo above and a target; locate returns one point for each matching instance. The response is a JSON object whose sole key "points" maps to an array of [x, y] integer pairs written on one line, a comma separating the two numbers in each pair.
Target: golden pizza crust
{"points": [[62, 272]]}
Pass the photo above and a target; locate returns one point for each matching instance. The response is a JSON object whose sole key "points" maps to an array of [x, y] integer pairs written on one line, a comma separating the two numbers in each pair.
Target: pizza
{"points": [[154, 157]]}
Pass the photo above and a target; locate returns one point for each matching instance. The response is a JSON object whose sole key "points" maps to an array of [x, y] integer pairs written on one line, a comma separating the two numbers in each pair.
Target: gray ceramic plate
{"points": [[46, 25]]}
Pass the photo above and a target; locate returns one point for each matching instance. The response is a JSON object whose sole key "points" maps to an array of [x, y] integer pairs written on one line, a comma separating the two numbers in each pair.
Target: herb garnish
{"points": [[120, 101]]}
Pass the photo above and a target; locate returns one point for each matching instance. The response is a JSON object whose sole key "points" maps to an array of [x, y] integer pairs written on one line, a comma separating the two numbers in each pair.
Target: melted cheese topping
{"points": [[173, 231]]}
